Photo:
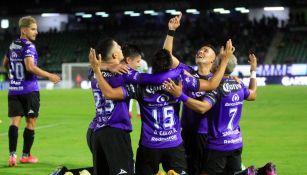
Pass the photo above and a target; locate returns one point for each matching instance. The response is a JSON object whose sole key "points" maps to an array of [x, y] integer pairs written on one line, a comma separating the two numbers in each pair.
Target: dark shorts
{"points": [[24, 105], [196, 150], [148, 160], [112, 152], [223, 163]]}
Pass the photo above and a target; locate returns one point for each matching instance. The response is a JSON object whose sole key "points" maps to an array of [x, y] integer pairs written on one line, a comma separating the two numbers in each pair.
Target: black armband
{"points": [[171, 33]]}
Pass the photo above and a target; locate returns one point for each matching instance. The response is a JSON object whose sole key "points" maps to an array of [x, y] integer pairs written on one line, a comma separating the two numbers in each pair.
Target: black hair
{"points": [[162, 61], [104, 48], [132, 51]]}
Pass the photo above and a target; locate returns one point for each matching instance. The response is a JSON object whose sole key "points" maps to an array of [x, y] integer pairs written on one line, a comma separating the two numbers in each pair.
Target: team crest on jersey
{"points": [[235, 98], [163, 98]]}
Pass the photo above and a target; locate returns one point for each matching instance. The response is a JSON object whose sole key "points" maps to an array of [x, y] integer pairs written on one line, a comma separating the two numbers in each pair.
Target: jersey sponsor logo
{"points": [[122, 172], [233, 141], [152, 89], [163, 98], [235, 98], [107, 74], [230, 87], [15, 46]]}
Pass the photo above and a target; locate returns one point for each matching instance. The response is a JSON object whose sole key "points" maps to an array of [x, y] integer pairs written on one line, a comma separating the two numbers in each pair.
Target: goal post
{"points": [[73, 74]]}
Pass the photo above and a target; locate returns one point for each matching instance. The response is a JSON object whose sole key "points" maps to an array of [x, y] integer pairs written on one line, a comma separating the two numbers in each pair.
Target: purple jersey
{"points": [[21, 81], [224, 116], [193, 121], [160, 113], [115, 113]]}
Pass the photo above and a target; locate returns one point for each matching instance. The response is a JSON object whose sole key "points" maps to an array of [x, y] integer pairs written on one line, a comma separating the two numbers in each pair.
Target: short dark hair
{"points": [[211, 46], [162, 61], [132, 51], [104, 48]]}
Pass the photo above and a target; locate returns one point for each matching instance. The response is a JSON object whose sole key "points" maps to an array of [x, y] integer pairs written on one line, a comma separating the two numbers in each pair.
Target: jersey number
{"points": [[232, 115], [18, 71], [166, 120], [108, 104]]}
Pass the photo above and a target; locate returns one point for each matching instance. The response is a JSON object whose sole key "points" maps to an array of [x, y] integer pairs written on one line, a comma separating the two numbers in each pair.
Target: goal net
{"points": [[74, 75]]}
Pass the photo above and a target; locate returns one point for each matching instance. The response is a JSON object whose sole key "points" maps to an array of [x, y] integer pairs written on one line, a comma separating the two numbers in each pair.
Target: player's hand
{"points": [[253, 62], [171, 87], [95, 63], [118, 68], [226, 52], [237, 79], [174, 22], [54, 78]]}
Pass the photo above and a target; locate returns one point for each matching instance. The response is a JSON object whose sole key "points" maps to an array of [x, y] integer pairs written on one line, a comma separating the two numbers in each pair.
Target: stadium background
{"points": [[274, 127]]}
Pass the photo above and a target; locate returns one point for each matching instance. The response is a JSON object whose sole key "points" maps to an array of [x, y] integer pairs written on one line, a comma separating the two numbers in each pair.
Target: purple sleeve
{"points": [[29, 51], [131, 91], [190, 83], [211, 97], [246, 91]]}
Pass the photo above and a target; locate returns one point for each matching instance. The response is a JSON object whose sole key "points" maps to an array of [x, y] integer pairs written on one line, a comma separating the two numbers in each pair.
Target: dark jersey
{"points": [[21, 81], [224, 116], [193, 121], [115, 113], [160, 113]]}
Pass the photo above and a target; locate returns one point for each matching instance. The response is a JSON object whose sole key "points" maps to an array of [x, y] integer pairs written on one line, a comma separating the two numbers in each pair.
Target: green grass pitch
{"points": [[274, 129]]}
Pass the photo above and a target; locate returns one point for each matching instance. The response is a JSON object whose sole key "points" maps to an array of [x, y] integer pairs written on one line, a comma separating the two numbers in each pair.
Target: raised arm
{"points": [[31, 67], [173, 24], [253, 81], [106, 89], [213, 83], [196, 105]]}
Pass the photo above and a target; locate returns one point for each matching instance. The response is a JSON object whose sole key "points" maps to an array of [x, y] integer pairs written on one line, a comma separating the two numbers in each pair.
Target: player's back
{"points": [[224, 117], [109, 112], [21, 81], [160, 113]]}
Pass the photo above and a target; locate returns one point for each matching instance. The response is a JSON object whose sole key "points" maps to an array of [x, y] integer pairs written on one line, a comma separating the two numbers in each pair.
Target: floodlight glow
{"points": [[100, 13], [196, 13], [225, 12], [176, 13], [245, 11], [170, 11], [274, 8], [105, 15], [128, 12], [135, 14], [79, 13], [240, 8], [4, 23], [149, 11], [87, 16], [191, 10], [50, 14], [218, 9], [154, 14]]}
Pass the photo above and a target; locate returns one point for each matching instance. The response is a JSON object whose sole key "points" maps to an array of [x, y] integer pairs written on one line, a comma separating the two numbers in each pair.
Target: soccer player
{"points": [[161, 140], [109, 134], [224, 106], [23, 97], [133, 57], [194, 125]]}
